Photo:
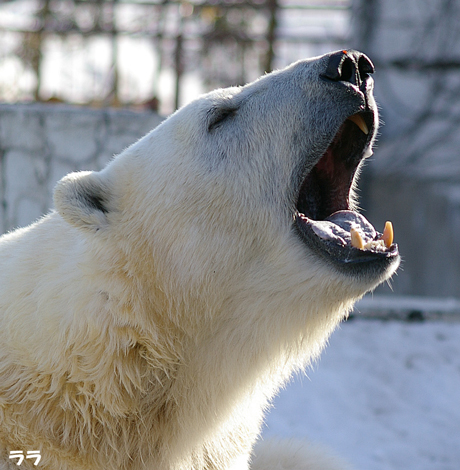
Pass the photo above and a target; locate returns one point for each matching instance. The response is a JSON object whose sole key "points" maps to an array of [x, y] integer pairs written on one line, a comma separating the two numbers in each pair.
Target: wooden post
{"points": [[271, 34]]}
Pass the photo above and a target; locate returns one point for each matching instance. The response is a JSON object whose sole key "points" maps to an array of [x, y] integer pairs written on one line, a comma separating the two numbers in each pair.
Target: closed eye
{"points": [[218, 115]]}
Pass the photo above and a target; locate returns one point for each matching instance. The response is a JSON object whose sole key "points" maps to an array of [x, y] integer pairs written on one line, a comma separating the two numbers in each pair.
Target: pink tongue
{"points": [[348, 219], [337, 227]]}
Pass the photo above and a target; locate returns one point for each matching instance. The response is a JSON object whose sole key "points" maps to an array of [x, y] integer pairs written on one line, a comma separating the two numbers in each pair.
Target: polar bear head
{"points": [[246, 192]]}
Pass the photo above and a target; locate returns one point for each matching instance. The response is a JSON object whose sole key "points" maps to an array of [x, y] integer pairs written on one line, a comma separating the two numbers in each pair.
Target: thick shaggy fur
{"points": [[147, 322]]}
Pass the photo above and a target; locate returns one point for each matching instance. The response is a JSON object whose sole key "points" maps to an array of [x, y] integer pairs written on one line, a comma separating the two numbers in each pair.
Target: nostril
{"points": [[365, 66], [347, 71]]}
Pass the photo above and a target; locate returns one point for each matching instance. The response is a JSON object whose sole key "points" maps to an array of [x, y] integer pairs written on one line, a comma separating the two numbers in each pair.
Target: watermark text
{"points": [[30, 454]]}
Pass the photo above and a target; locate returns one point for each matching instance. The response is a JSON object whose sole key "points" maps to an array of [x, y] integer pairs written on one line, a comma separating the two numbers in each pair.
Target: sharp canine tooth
{"points": [[356, 239], [388, 234], [360, 122]]}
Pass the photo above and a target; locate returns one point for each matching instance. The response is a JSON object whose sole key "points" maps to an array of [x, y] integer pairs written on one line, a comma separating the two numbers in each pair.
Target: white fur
{"points": [[148, 321]]}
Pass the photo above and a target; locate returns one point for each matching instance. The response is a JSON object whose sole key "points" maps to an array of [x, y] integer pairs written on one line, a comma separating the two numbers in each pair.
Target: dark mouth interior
{"points": [[324, 219], [326, 188]]}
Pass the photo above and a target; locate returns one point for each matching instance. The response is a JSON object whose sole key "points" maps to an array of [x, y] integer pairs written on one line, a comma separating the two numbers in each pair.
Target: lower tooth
{"points": [[388, 234], [356, 239]]}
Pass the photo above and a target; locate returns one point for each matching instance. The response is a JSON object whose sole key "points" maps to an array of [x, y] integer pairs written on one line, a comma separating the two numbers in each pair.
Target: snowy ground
{"points": [[385, 396]]}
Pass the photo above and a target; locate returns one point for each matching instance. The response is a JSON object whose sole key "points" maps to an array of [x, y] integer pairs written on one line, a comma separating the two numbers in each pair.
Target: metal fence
{"points": [[155, 53]]}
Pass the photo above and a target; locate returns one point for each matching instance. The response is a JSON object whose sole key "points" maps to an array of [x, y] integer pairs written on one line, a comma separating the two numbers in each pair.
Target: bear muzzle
{"points": [[325, 218]]}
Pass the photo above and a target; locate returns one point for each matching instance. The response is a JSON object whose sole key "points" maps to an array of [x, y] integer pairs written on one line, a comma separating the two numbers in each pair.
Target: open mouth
{"points": [[324, 217]]}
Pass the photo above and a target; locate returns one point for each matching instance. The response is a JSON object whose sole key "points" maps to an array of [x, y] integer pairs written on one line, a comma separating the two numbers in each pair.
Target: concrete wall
{"points": [[41, 143], [426, 219], [413, 179]]}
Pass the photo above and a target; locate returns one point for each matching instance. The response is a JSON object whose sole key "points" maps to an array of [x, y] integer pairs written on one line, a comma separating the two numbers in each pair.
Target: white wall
{"points": [[41, 143]]}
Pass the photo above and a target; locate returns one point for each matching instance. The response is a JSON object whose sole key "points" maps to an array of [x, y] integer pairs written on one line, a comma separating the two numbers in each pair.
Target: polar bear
{"points": [[148, 320]]}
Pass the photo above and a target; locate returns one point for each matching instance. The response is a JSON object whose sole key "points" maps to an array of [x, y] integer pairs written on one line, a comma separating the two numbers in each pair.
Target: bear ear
{"points": [[82, 199]]}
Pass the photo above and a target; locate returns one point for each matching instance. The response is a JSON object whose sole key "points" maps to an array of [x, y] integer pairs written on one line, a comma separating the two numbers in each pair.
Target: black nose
{"points": [[348, 66]]}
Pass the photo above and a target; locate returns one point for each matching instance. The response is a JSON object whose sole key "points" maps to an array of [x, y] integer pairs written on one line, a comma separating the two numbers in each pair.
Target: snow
{"points": [[385, 395]]}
